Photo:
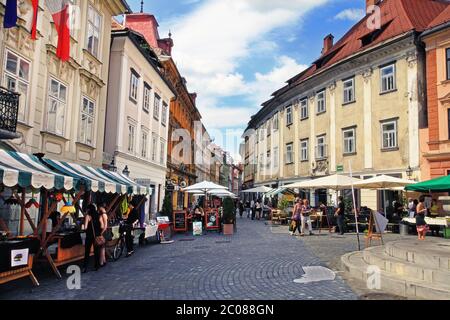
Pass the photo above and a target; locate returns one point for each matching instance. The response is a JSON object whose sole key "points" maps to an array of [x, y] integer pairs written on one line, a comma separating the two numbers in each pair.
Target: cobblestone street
{"points": [[259, 262]]}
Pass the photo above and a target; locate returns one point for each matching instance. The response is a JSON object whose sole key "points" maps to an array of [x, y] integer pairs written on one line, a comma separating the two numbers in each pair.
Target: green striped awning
{"points": [[96, 179], [26, 171]]}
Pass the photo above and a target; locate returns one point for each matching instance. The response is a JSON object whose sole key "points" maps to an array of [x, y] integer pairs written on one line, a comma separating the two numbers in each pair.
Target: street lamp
{"points": [[126, 171], [409, 172], [112, 166]]}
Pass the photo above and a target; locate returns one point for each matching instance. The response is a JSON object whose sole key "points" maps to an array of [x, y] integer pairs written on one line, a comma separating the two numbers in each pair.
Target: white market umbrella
{"points": [[383, 182], [204, 187], [335, 182], [221, 193], [262, 189]]}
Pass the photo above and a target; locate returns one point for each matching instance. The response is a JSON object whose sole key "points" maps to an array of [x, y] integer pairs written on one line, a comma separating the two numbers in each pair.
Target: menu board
{"points": [[180, 221], [212, 220]]}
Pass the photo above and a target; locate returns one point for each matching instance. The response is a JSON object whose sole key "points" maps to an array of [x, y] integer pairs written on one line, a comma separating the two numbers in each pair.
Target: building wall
{"points": [[84, 76]]}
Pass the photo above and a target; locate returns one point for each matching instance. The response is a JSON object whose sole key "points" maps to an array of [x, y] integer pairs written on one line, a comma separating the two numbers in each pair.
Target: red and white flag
{"points": [[35, 4], [60, 10]]}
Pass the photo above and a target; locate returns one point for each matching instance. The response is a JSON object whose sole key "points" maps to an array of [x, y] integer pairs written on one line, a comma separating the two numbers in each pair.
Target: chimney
{"points": [[146, 25], [194, 97], [327, 43], [370, 3]]}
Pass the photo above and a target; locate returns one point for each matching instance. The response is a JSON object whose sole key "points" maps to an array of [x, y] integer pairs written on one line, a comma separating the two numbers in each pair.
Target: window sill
{"points": [[320, 113], [303, 119], [55, 135], [146, 111], [133, 100], [321, 159], [350, 154], [82, 144], [390, 149], [290, 163], [304, 161], [388, 92], [289, 125], [154, 118], [86, 51], [24, 124], [348, 103]]}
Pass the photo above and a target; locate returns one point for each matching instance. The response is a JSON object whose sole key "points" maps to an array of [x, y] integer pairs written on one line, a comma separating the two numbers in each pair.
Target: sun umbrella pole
{"points": [[354, 207]]}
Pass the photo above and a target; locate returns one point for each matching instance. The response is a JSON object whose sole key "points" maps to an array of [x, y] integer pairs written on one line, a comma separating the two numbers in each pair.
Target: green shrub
{"points": [[229, 211], [283, 205]]}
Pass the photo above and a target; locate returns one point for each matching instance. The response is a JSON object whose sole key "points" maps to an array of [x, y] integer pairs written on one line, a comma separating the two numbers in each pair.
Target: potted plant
{"points": [[229, 216]]}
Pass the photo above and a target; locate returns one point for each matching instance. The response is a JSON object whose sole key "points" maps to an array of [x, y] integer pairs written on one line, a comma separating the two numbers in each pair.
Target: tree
{"points": [[167, 209], [229, 211]]}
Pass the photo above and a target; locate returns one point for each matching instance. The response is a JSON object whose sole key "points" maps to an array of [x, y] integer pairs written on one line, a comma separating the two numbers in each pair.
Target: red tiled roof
{"points": [[398, 17], [444, 17]]}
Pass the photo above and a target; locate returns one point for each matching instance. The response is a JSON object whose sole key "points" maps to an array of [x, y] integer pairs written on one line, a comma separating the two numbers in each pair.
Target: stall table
{"points": [[70, 248]]}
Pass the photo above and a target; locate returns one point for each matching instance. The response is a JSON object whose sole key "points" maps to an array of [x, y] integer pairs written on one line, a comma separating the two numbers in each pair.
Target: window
{"points": [[57, 99], [154, 146], [321, 148], [447, 58], [289, 153], [17, 79], [144, 143], [261, 161], [164, 114], [321, 102], [389, 134], [268, 160], [289, 116], [156, 107], [131, 138], [304, 153], [275, 157], [388, 78], [147, 92], [304, 114], [276, 122], [94, 29], [349, 140], [269, 128], [87, 121], [349, 90], [162, 155], [134, 85], [448, 122], [261, 134]]}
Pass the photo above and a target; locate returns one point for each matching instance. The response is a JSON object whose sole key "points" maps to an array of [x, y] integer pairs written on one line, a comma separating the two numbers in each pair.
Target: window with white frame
{"points": [[289, 119], [275, 157], [304, 114], [389, 134], [261, 134], [57, 100], [156, 106], [147, 95], [268, 160], [162, 155], [388, 78], [94, 30], [134, 85], [261, 161], [289, 153], [349, 90], [131, 138], [321, 102], [144, 143], [154, 146], [321, 147], [304, 150], [269, 128], [164, 114], [17, 79], [87, 121], [349, 136], [276, 123]]}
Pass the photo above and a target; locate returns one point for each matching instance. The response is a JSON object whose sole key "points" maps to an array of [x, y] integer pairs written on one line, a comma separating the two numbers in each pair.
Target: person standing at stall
{"points": [[132, 218], [93, 227], [104, 223], [340, 215]]}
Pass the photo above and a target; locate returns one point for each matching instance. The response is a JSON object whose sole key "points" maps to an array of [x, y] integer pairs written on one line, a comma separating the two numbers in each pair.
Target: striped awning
{"points": [[18, 169], [96, 179]]}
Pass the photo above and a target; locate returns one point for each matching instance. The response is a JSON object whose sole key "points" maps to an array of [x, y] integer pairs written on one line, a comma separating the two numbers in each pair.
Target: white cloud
{"points": [[350, 14]]}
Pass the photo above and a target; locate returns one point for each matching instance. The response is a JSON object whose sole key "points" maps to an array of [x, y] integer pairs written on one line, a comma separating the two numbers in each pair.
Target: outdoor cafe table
{"points": [[443, 222]]}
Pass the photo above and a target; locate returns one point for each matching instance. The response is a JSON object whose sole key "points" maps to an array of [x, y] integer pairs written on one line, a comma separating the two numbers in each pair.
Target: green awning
{"points": [[441, 184]]}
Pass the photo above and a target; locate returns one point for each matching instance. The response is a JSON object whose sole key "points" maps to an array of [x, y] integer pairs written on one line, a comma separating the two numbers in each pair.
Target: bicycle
{"points": [[120, 244]]}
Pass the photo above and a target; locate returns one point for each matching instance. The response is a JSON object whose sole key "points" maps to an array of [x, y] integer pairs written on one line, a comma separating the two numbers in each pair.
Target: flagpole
{"points": [[354, 206]]}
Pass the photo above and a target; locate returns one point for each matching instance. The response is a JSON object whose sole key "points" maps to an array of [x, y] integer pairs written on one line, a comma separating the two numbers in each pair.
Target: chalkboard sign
{"points": [[212, 220], [180, 221]]}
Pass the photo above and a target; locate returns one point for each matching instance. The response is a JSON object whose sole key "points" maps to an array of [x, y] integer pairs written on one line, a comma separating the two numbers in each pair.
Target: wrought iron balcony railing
{"points": [[9, 110]]}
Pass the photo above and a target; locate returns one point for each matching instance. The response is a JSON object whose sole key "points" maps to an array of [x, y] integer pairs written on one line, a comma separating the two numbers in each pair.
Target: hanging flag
{"points": [[10, 19], [35, 4], [59, 10]]}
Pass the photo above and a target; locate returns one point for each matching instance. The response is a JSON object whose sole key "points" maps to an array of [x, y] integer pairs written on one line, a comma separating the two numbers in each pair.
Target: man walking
{"points": [[340, 215]]}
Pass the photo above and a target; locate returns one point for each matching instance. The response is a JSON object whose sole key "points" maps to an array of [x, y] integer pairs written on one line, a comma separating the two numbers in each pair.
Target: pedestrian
{"points": [[104, 223], [296, 217], [247, 208], [306, 217], [258, 209], [252, 207], [132, 219], [241, 209], [422, 227], [93, 227], [340, 215]]}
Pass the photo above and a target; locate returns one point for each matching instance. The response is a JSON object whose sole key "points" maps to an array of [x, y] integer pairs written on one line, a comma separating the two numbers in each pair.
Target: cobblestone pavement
{"points": [[258, 262]]}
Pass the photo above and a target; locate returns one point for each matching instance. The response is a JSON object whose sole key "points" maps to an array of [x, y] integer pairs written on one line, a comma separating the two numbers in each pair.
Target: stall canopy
{"points": [[98, 179], [261, 189], [436, 185], [26, 171]]}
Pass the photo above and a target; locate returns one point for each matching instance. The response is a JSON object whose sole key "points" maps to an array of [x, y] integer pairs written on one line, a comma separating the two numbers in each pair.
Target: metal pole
{"points": [[354, 207]]}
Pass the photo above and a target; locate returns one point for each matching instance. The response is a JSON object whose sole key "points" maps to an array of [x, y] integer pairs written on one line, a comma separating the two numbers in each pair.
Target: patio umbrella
{"points": [[441, 184], [205, 187], [383, 182], [335, 182], [261, 189]]}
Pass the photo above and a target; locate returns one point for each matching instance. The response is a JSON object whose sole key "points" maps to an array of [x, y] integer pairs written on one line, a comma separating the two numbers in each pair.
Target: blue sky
{"points": [[235, 53]]}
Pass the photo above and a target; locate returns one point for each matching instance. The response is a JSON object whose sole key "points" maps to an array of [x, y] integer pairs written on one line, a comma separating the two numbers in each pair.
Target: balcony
{"points": [[9, 109]]}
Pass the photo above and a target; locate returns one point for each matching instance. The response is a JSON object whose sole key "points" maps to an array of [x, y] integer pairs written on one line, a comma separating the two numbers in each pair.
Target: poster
{"points": [[197, 228], [19, 258]]}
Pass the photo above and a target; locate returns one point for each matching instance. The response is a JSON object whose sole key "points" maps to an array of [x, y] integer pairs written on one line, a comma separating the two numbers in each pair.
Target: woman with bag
{"points": [[306, 218], [93, 227], [296, 218], [107, 234]]}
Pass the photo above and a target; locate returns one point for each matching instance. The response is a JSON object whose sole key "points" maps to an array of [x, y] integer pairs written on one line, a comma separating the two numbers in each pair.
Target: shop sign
{"points": [[340, 168], [19, 257], [197, 228]]}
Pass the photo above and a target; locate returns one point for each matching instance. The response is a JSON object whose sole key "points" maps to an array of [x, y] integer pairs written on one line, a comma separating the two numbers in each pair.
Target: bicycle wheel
{"points": [[118, 250]]}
